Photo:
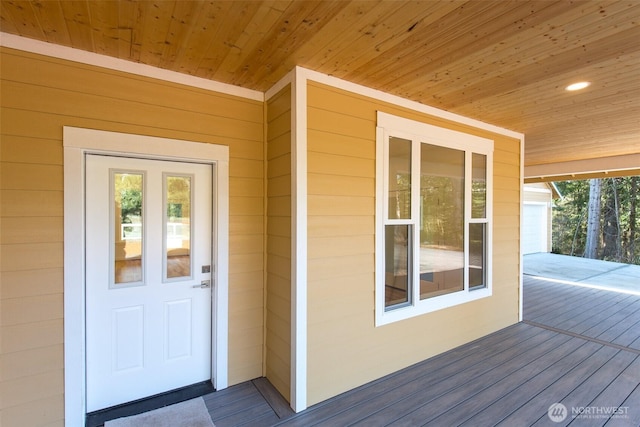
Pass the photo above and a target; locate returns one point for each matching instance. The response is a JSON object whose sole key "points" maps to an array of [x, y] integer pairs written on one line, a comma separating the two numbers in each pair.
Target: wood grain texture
{"points": [[502, 62]]}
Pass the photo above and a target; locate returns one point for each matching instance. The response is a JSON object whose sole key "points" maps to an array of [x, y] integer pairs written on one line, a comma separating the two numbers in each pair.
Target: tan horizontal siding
{"points": [[279, 245], [279, 166], [31, 229], [108, 83], [19, 149], [340, 205], [21, 96], [25, 283], [279, 226], [279, 186], [345, 349], [40, 95], [31, 203], [37, 412]]}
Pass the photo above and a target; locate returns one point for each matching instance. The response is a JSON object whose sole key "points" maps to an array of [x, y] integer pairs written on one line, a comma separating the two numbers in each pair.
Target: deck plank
{"points": [[436, 399], [387, 391], [280, 406], [592, 386], [594, 313], [448, 406], [632, 417], [615, 394], [579, 347], [437, 365]]}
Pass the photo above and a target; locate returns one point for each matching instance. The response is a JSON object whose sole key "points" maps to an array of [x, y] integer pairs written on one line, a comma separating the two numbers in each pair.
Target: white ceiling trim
{"points": [[89, 58], [582, 167]]}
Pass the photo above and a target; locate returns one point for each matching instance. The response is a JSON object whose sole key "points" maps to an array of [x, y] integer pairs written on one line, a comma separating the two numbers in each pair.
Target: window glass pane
{"points": [[477, 266], [479, 186], [441, 220], [397, 265], [399, 178], [128, 230], [178, 226]]}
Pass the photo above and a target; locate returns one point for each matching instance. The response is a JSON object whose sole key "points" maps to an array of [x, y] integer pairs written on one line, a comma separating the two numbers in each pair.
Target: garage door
{"points": [[534, 228]]}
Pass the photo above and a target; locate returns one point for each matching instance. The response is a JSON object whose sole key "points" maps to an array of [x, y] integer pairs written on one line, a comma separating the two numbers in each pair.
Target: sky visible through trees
{"points": [[616, 236]]}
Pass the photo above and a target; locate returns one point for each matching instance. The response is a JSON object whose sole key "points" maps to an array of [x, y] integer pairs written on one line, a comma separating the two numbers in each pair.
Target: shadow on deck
{"points": [[576, 346]]}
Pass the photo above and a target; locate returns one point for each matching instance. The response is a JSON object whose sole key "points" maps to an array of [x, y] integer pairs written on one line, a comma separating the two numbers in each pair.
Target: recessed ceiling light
{"points": [[577, 86]]}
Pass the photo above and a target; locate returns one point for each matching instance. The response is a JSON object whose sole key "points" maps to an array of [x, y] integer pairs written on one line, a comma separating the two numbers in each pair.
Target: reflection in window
{"points": [[441, 220], [397, 262], [477, 250], [127, 250], [178, 226], [479, 186], [399, 178]]}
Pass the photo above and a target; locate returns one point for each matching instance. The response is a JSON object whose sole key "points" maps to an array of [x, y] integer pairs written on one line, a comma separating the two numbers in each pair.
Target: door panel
{"points": [[148, 320]]}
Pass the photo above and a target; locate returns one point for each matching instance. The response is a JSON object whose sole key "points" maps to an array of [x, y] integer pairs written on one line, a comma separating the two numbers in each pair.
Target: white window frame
{"points": [[418, 132]]}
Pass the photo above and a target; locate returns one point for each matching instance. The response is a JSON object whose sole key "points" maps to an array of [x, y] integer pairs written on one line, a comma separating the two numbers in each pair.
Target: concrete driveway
{"points": [[605, 274]]}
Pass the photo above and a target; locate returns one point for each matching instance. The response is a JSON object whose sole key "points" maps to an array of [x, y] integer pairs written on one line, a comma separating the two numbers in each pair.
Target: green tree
{"points": [[617, 234]]}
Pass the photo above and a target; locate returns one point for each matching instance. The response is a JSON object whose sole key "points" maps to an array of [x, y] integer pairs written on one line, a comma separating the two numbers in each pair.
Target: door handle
{"points": [[203, 284]]}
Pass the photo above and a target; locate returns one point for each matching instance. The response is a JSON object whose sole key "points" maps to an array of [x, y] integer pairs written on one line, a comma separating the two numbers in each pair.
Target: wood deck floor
{"points": [[577, 346]]}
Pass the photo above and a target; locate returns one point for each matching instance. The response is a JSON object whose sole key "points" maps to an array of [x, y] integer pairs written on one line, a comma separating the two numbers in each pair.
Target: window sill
{"points": [[429, 306]]}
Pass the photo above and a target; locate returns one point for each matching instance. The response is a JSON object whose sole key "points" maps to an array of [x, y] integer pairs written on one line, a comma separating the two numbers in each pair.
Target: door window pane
{"points": [[178, 226], [397, 262], [399, 178], [477, 241], [479, 186], [441, 220], [128, 227]]}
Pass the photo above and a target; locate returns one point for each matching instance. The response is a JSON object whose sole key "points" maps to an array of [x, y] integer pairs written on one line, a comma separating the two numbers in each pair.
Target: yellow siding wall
{"points": [[40, 95], [345, 349], [278, 306]]}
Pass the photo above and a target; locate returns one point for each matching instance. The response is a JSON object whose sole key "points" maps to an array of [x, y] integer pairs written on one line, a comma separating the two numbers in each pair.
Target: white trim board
{"points": [[521, 236], [90, 58], [77, 142], [300, 243], [576, 168]]}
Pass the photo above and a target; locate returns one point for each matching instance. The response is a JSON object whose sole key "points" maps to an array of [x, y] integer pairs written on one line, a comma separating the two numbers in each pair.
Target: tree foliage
{"points": [[617, 238]]}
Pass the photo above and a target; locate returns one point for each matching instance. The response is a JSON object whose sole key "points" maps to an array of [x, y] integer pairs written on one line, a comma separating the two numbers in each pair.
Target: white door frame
{"points": [[77, 142]]}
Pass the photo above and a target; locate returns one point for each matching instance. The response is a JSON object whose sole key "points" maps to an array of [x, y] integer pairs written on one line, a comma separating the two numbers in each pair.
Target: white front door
{"points": [[148, 277]]}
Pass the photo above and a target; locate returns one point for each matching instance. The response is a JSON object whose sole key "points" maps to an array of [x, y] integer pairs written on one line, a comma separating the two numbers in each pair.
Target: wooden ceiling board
{"points": [[545, 102], [492, 61], [425, 39], [51, 19], [266, 16], [540, 61], [377, 36], [106, 38], [498, 61], [196, 43], [297, 25], [327, 49], [127, 12], [20, 17], [79, 25]]}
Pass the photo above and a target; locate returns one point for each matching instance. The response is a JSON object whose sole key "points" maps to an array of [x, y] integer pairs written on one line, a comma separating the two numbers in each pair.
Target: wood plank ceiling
{"points": [[502, 62]]}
